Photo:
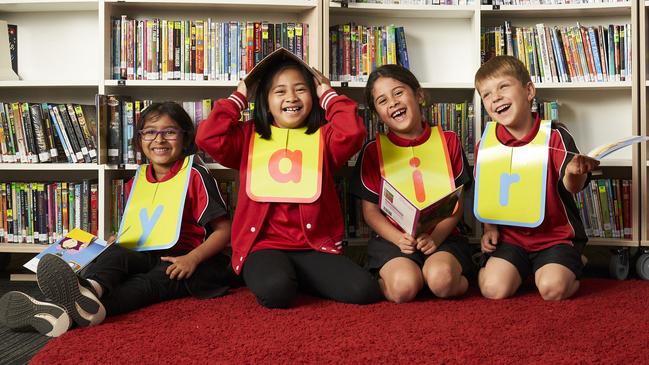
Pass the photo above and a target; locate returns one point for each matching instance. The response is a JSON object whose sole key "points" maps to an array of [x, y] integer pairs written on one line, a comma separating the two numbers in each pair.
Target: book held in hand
{"points": [[78, 248], [604, 150], [411, 219]]}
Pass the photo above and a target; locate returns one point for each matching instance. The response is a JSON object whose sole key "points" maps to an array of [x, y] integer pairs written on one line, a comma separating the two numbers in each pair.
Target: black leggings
{"points": [[275, 276], [133, 280]]}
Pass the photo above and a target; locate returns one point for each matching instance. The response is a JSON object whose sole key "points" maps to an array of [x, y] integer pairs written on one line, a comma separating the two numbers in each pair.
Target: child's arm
{"points": [[577, 172], [221, 134], [380, 224], [489, 237], [182, 267], [428, 243], [347, 128]]}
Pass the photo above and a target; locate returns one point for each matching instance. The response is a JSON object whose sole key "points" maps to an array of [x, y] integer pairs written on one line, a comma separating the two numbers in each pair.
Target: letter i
{"points": [[418, 180]]}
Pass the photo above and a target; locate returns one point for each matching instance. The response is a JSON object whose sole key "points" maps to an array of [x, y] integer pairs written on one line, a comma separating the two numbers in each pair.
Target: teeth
{"points": [[292, 109], [398, 113], [502, 108]]}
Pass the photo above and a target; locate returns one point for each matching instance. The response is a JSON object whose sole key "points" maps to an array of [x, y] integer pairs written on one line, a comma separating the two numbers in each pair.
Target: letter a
{"points": [[295, 174]]}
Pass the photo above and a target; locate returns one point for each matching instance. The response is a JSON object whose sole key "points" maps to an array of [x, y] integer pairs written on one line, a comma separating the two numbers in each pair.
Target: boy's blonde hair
{"points": [[503, 66]]}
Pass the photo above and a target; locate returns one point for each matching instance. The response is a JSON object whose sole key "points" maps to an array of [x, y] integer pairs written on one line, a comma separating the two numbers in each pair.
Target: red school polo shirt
{"points": [[203, 204], [562, 224], [366, 182]]}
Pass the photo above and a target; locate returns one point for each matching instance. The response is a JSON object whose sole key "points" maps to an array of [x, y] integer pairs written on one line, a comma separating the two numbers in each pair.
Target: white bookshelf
{"points": [[65, 47], [644, 120]]}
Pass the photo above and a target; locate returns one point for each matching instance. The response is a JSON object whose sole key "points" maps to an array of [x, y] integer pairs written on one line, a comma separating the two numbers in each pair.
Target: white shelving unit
{"points": [[65, 47], [642, 266]]}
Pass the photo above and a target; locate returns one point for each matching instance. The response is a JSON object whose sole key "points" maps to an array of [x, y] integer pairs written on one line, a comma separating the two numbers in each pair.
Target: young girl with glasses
{"points": [[121, 279]]}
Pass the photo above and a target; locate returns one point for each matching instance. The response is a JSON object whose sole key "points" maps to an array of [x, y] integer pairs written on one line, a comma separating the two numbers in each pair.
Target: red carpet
{"points": [[607, 322]]}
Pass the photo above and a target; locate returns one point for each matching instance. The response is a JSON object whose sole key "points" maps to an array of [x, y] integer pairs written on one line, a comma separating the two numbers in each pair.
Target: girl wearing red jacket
{"points": [[285, 240]]}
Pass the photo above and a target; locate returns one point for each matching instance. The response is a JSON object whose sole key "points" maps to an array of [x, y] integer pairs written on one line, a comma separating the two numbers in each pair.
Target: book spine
{"points": [[62, 116], [88, 136], [68, 110]]}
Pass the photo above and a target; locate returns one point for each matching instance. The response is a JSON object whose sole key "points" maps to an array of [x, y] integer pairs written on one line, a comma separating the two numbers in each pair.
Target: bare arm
{"points": [[182, 267]]}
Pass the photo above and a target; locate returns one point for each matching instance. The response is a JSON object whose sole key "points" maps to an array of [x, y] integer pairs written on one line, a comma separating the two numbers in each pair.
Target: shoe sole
{"points": [[19, 311], [60, 284]]}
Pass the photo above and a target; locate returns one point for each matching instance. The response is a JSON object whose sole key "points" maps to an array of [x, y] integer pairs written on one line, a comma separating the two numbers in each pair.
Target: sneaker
{"points": [[61, 285], [20, 312]]}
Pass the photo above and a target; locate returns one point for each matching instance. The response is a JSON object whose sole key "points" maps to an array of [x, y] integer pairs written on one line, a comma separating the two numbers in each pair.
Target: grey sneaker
{"points": [[20, 312], [62, 286]]}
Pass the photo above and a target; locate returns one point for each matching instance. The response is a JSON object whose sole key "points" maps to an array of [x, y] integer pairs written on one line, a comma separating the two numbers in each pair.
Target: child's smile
{"points": [[289, 99], [507, 101], [166, 147], [398, 107]]}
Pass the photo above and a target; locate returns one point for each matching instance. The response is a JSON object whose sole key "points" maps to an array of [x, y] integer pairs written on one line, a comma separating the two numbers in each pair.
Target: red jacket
{"points": [[226, 139]]}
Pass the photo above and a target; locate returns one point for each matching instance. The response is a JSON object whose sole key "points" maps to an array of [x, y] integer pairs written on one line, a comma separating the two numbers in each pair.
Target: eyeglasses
{"points": [[168, 134]]}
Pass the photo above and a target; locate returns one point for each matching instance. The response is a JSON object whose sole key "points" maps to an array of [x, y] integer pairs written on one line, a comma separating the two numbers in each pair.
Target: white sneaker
{"points": [[20, 312], [62, 286]]}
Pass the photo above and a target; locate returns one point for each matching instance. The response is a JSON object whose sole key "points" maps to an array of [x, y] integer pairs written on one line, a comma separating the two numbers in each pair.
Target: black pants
{"points": [[275, 276], [133, 280]]}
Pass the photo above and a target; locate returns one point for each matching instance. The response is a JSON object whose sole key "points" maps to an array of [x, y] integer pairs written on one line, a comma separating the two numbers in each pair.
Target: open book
{"points": [[602, 151], [412, 219], [78, 248]]}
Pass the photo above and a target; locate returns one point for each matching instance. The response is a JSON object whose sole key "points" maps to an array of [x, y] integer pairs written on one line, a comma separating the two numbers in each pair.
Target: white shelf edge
{"points": [[49, 83], [281, 4], [424, 85], [49, 166], [48, 5], [171, 83], [622, 242], [397, 10], [604, 7], [584, 85], [22, 247]]}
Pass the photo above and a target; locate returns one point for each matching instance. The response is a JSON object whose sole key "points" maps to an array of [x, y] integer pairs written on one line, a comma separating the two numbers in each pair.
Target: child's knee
{"points": [[556, 289], [441, 280], [402, 288], [492, 287], [275, 292]]}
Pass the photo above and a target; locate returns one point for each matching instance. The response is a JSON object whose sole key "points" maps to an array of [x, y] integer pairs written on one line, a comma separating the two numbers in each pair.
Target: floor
{"points": [[19, 348]]}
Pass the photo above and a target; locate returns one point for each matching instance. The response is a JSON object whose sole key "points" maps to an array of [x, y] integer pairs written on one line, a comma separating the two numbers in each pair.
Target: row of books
{"points": [[161, 49], [122, 113], [549, 2], [410, 2], [357, 50], [42, 213], [605, 208], [456, 117], [564, 54], [43, 132]]}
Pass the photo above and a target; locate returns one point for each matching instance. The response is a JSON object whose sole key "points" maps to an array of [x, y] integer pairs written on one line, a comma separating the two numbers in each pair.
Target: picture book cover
{"points": [[78, 248]]}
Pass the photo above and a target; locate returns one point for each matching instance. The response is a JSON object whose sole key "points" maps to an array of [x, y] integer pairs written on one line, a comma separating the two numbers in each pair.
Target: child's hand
{"points": [[489, 240], [322, 83], [426, 244], [182, 267], [241, 87], [581, 164], [407, 244]]}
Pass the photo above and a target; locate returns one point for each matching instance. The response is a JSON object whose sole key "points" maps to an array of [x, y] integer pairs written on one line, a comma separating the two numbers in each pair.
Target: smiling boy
{"points": [[526, 168]]}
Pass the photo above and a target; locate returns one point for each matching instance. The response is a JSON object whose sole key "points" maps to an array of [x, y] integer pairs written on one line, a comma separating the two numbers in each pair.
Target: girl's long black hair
{"points": [[263, 119]]}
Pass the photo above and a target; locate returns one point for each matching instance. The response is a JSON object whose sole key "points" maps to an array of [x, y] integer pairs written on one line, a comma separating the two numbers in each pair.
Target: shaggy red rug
{"points": [[605, 323]]}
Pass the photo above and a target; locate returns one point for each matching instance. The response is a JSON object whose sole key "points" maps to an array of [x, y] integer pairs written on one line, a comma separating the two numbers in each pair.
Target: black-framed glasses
{"points": [[169, 134]]}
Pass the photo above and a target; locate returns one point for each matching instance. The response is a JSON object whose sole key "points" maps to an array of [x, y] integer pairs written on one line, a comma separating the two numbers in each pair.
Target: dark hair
{"points": [[175, 112], [262, 116], [500, 66], [396, 72]]}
